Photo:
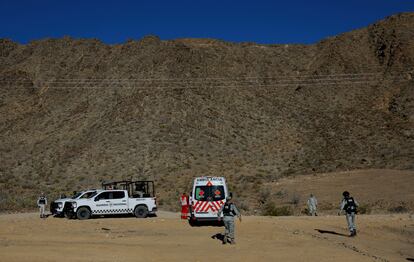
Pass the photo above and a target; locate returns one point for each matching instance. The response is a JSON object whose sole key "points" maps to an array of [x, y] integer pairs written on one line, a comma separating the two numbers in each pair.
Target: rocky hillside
{"points": [[76, 112]]}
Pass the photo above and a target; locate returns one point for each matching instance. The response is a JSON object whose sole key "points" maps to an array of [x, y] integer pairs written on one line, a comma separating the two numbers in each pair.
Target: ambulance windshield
{"points": [[209, 193]]}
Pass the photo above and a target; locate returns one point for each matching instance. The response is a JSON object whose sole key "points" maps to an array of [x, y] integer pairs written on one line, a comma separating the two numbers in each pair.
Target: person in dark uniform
{"points": [[349, 205], [41, 203], [229, 211]]}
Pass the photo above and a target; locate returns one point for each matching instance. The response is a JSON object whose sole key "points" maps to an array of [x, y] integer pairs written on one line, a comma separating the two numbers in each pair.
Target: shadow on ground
{"points": [[322, 231], [106, 216], [218, 236], [206, 223]]}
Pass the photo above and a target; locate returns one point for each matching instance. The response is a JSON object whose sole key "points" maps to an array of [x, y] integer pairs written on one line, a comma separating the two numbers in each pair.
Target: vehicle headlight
{"points": [[60, 205], [74, 204]]}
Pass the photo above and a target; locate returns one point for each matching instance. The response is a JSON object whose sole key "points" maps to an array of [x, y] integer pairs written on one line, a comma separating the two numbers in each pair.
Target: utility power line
{"points": [[199, 83]]}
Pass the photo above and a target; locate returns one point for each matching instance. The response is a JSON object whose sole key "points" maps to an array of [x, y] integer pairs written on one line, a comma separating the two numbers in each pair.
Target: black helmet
{"points": [[345, 194]]}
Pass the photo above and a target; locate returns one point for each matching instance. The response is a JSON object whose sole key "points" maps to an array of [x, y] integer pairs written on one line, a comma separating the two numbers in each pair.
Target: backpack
{"points": [[228, 210], [350, 206]]}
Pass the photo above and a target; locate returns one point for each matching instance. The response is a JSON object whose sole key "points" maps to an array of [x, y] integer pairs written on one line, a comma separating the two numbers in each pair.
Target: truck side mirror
{"points": [[96, 199]]}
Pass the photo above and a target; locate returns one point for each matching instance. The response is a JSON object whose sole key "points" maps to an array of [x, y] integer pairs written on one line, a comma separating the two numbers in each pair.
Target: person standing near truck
{"points": [[185, 206], [41, 203], [229, 211]]}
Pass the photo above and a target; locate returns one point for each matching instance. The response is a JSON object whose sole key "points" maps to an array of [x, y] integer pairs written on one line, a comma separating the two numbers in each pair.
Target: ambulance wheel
{"points": [[141, 211], [193, 222], [83, 213]]}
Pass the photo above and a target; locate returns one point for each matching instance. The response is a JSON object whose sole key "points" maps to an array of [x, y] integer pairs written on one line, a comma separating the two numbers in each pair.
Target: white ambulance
{"points": [[207, 197]]}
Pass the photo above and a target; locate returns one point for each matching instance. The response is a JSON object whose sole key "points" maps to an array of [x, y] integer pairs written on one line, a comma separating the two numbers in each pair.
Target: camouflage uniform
{"points": [[41, 203], [349, 205], [229, 211]]}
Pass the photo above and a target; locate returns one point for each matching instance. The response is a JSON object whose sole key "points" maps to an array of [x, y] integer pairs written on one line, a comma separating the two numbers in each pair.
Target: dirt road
{"points": [[25, 237]]}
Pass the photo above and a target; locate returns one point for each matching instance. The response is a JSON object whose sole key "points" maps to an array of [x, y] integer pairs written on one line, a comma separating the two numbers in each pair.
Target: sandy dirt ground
{"points": [[25, 237]]}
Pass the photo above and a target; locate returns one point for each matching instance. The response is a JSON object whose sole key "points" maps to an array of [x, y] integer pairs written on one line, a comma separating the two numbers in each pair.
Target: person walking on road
{"points": [[312, 205], [41, 203], [349, 205], [229, 211]]}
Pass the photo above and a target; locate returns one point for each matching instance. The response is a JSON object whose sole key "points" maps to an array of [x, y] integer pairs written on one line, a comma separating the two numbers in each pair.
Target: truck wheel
{"points": [[83, 213], [141, 211]]}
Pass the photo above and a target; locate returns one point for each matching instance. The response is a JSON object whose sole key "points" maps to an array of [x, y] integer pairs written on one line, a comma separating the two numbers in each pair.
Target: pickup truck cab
{"points": [[110, 202]]}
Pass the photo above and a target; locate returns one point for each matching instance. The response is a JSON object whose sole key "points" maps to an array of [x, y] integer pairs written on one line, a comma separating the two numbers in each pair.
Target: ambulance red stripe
{"points": [[200, 207], [216, 205], [207, 206], [204, 206], [195, 203], [213, 207]]}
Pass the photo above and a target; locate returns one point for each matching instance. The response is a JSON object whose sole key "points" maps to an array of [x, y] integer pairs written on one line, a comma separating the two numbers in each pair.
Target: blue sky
{"points": [[259, 21]]}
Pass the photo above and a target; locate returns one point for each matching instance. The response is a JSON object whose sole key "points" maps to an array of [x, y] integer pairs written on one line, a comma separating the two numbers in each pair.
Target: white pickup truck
{"points": [[110, 202]]}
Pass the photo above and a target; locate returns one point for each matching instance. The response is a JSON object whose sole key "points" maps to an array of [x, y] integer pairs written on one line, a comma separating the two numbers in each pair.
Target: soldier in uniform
{"points": [[41, 203], [229, 211], [349, 205], [312, 205]]}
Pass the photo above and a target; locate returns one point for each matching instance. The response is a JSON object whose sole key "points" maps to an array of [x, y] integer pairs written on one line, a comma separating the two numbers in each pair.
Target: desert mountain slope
{"points": [[76, 112]]}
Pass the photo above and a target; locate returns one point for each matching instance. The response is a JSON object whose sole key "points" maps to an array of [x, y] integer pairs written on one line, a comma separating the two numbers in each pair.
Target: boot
{"points": [[224, 241]]}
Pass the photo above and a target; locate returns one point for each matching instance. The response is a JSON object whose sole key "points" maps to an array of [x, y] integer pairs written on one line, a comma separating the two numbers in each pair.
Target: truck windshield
{"points": [[83, 195], [75, 196], [93, 194], [88, 194], [209, 193]]}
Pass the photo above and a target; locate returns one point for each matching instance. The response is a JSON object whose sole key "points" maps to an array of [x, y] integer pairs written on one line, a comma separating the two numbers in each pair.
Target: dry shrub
{"points": [[295, 199], [401, 208], [270, 209], [364, 209]]}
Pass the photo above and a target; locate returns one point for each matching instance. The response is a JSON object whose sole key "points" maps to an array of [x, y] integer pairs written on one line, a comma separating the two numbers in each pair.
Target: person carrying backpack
{"points": [[229, 211], [349, 205]]}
